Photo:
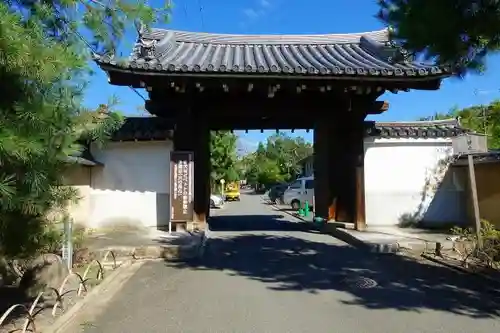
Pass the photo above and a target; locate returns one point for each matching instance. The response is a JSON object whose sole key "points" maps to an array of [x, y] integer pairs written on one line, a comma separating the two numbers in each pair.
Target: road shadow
{"points": [[375, 281], [277, 222], [10, 295]]}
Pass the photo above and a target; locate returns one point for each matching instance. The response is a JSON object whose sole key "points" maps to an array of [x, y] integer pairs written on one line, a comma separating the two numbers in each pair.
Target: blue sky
{"points": [[301, 17]]}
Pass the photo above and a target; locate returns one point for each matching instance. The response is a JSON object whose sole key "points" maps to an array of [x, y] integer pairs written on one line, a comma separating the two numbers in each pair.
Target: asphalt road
{"points": [[265, 272]]}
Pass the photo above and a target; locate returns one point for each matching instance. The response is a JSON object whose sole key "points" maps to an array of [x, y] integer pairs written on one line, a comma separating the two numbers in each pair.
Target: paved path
{"points": [[263, 273]]}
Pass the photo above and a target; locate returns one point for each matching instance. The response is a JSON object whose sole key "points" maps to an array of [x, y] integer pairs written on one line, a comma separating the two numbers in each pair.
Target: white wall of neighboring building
{"points": [[79, 177], [402, 177], [131, 188]]}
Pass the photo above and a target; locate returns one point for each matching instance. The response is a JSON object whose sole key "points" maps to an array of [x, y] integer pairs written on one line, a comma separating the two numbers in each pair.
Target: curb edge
{"points": [[61, 324]]}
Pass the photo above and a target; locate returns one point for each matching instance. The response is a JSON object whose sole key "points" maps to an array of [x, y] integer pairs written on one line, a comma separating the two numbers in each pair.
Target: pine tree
{"points": [[44, 69], [454, 32]]}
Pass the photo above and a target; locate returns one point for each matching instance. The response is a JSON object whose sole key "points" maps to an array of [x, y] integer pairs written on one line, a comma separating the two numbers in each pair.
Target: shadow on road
{"points": [[375, 281], [263, 222]]}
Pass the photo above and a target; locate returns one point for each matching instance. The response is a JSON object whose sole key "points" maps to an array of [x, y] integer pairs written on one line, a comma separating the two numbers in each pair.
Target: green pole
{"points": [[306, 209]]}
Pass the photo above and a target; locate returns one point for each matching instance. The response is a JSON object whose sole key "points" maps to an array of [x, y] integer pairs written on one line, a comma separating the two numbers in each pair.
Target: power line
{"points": [[92, 49], [200, 6], [186, 11], [484, 108]]}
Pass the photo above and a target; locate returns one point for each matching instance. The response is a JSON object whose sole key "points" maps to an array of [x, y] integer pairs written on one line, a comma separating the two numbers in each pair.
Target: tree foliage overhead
{"points": [[44, 71], [277, 160], [458, 32], [479, 118]]}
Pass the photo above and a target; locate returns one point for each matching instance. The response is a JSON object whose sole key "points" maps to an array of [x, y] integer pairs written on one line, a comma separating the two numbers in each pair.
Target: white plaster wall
{"points": [[132, 188], [396, 171], [78, 177]]}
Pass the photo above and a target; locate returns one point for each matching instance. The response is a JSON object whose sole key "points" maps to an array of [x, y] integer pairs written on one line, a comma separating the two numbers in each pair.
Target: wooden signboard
{"points": [[181, 186]]}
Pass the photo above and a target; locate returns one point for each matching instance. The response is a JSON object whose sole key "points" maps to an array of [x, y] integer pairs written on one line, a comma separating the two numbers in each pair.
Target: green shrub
{"points": [[28, 238], [490, 251]]}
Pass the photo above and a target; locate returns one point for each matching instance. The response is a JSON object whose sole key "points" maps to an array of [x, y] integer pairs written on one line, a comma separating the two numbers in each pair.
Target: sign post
{"points": [[475, 200], [67, 248], [471, 144], [181, 187], [222, 182]]}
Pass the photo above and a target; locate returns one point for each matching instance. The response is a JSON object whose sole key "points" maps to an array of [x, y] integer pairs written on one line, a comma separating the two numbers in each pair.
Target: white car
{"points": [[216, 201], [299, 192]]}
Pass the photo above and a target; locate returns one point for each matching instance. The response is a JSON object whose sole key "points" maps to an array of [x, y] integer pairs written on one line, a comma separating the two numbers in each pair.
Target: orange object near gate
{"points": [[331, 210]]}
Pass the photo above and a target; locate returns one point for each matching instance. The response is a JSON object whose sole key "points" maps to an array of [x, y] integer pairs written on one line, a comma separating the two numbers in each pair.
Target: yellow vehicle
{"points": [[233, 191]]}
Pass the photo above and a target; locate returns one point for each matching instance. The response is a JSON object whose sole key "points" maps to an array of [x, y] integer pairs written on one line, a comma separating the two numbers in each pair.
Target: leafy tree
{"points": [[480, 118], [459, 32], [44, 70], [223, 157], [277, 160], [269, 172], [287, 152]]}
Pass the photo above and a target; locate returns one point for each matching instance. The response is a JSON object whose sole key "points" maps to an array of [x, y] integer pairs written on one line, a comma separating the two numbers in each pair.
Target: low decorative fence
{"points": [[29, 314]]}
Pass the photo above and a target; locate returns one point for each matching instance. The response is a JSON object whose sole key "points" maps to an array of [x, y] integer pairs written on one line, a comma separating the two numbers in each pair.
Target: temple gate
{"points": [[328, 83]]}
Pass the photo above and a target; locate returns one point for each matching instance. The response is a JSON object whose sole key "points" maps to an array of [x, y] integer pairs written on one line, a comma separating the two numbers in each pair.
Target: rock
{"points": [[83, 256], [8, 273], [45, 272]]}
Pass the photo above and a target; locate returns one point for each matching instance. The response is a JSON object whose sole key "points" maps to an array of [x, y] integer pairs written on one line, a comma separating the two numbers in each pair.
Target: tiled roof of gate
{"points": [[419, 129], [358, 54]]}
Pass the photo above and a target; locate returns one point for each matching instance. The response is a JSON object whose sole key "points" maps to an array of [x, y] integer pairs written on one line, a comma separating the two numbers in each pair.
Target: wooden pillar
{"points": [[360, 221], [192, 134], [207, 176], [201, 172], [350, 171], [323, 190], [338, 169]]}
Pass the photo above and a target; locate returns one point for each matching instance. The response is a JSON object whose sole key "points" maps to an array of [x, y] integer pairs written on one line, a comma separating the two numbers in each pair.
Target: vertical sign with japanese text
{"points": [[181, 186]]}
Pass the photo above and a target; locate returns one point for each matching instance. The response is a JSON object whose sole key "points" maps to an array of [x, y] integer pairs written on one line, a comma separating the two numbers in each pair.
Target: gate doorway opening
{"points": [[329, 83]]}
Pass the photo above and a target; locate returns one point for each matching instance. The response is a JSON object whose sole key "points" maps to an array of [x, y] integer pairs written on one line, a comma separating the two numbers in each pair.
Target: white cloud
{"points": [[265, 3], [251, 13], [261, 9]]}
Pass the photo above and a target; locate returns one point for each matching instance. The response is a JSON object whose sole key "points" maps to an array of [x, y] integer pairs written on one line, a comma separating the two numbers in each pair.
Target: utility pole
{"points": [[484, 109], [472, 173]]}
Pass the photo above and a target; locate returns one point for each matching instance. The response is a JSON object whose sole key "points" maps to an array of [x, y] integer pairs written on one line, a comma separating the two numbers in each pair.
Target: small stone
{"points": [[83, 256], [8, 274]]}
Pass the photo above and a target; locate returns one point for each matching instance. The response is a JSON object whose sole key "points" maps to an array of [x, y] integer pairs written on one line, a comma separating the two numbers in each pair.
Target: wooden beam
{"points": [[140, 79], [241, 123], [256, 105]]}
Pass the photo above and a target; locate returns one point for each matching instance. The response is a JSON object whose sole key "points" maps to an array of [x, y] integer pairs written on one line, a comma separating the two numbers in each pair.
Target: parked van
{"points": [[300, 191]]}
